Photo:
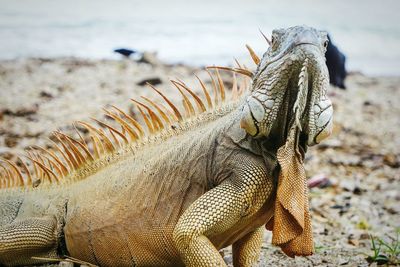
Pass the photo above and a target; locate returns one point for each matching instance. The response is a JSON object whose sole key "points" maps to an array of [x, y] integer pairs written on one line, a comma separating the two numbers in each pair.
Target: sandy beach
{"points": [[360, 161]]}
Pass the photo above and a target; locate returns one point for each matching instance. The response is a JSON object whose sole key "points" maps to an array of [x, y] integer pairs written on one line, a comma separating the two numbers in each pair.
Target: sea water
{"points": [[197, 32]]}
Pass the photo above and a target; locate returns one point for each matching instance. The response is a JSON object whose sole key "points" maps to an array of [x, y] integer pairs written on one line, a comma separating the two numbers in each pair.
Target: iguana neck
{"points": [[262, 147]]}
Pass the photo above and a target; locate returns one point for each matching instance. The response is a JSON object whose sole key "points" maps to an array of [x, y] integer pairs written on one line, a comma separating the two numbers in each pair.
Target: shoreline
{"points": [[246, 60]]}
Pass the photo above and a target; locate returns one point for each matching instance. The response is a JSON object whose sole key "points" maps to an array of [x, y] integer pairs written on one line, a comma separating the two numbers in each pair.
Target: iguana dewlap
{"points": [[185, 184]]}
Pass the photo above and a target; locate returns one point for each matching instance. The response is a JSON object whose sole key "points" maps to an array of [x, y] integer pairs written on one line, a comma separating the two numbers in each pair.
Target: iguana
{"points": [[194, 184]]}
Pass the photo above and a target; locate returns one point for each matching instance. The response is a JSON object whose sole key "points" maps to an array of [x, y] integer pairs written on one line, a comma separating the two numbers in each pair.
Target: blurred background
{"points": [[196, 32]]}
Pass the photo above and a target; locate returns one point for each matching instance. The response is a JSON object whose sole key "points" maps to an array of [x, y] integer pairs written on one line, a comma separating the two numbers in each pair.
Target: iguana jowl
{"points": [[194, 186]]}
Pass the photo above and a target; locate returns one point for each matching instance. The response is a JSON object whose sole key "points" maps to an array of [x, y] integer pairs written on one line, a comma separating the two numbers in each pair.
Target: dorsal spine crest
{"points": [[72, 159]]}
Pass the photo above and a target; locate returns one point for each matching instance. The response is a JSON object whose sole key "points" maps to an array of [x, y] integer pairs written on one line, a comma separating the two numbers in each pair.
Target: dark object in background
{"points": [[152, 81], [125, 52], [335, 60], [140, 57]]}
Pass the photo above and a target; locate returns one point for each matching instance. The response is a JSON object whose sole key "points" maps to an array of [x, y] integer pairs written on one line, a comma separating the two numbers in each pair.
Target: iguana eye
{"points": [[276, 38], [274, 42]]}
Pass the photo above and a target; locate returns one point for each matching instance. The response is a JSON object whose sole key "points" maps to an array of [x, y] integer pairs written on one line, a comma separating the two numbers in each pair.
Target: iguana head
{"points": [[289, 86]]}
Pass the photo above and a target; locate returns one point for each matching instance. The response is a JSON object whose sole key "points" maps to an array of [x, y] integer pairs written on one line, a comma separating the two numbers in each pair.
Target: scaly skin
{"points": [[178, 200]]}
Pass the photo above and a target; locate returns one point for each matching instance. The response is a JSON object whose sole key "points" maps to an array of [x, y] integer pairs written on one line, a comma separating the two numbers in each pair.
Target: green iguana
{"points": [[194, 184]]}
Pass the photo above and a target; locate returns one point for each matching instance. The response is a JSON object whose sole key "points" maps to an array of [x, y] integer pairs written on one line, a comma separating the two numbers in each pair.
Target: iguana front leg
{"points": [[219, 210], [214, 212], [246, 251]]}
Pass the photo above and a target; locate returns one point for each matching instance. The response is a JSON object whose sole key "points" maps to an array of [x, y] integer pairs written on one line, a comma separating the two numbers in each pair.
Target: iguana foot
{"points": [[246, 251]]}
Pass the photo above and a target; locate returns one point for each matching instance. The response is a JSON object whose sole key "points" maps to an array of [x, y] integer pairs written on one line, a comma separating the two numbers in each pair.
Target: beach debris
{"points": [[23, 111], [46, 95], [319, 180], [363, 224], [342, 208], [11, 140], [152, 81], [391, 160], [150, 58]]}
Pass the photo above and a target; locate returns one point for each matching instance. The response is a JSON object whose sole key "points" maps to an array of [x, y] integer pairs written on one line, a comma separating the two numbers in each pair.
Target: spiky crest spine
{"points": [[72, 157]]}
